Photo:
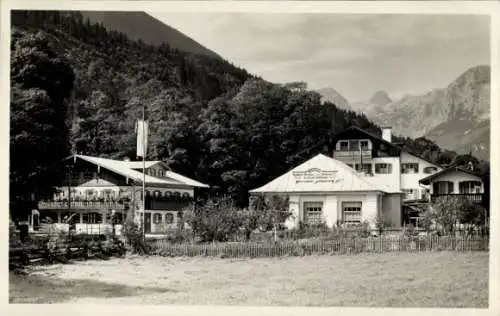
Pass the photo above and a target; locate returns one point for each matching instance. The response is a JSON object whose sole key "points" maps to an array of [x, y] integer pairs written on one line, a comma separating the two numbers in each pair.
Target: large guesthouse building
{"points": [[97, 190], [365, 178]]}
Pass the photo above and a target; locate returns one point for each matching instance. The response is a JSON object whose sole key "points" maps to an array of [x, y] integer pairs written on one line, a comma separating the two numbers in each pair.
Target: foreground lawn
{"points": [[444, 279]]}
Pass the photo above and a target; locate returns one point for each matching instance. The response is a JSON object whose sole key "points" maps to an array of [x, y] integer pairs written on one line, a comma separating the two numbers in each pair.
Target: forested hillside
{"points": [[208, 119]]}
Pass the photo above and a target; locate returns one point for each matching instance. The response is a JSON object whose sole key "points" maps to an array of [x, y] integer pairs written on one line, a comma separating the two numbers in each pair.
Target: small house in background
{"points": [[97, 190], [458, 182]]}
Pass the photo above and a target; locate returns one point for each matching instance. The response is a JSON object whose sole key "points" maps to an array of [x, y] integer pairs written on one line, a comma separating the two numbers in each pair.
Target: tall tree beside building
{"points": [[41, 81]]}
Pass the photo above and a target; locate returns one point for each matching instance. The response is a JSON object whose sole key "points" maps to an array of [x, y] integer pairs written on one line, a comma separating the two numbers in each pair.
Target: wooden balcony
{"points": [[472, 197], [353, 155], [83, 205]]}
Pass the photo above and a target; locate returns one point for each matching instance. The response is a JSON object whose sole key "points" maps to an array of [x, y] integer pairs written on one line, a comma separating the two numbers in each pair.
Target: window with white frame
{"points": [[430, 170], [313, 212], [442, 187], [344, 145], [169, 218], [364, 145], [92, 218], [383, 168], [157, 218], [410, 167], [351, 212], [469, 187]]}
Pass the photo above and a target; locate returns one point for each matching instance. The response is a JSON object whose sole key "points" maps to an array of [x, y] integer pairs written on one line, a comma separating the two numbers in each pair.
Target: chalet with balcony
{"points": [[456, 182], [98, 189], [381, 159], [379, 178]]}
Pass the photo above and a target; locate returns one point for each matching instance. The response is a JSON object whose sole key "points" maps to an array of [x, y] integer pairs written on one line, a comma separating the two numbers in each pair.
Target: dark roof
{"points": [[355, 128], [427, 180], [393, 145]]}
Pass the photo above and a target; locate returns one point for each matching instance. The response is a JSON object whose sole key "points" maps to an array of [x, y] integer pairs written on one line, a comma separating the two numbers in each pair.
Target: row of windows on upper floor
{"points": [[94, 175], [386, 168], [354, 145], [153, 172]]}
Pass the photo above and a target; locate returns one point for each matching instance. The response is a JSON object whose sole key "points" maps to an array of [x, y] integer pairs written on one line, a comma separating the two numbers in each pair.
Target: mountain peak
{"points": [[329, 94], [380, 98]]}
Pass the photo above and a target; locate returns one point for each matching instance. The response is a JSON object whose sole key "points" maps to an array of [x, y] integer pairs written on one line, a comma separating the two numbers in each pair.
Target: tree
{"points": [[41, 81], [448, 211], [217, 220], [273, 211]]}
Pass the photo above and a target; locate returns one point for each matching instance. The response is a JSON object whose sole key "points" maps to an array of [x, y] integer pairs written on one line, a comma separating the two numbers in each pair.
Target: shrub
{"points": [[135, 238], [216, 220]]}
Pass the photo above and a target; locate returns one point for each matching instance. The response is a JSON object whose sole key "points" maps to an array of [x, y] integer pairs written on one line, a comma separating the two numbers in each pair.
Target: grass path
{"points": [[443, 279]]}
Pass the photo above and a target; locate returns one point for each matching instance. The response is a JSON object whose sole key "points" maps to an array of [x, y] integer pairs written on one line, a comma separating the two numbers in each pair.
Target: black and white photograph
{"points": [[251, 158]]}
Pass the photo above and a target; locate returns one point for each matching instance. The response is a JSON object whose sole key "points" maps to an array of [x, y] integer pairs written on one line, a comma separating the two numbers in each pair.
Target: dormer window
{"points": [[430, 170], [344, 145], [364, 145]]}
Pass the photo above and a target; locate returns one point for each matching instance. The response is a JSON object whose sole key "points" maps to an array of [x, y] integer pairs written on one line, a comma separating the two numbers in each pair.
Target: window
{"points": [[153, 172], [344, 145], [157, 218], [364, 145], [383, 168], [469, 187], [442, 187], [367, 167], [169, 218], [430, 170], [313, 212], [409, 167], [92, 218], [351, 212]]}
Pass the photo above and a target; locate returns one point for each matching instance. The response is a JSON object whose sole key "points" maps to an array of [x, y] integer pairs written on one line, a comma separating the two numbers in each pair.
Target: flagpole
{"points": [[143, 174]]}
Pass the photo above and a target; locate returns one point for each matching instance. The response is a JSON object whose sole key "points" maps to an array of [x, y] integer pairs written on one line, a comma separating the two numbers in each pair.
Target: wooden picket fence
{"points": [[318, 247]]}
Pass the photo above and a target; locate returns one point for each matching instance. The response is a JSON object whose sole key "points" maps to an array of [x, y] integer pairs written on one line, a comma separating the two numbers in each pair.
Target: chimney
{"points": [[387, 134]]}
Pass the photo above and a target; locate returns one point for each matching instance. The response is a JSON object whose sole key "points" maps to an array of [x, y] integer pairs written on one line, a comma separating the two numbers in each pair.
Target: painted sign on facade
{"points": [[316, 175]]}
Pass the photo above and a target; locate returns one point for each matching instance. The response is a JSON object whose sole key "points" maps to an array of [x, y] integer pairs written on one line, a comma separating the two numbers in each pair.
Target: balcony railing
{"points": [[351, 155], [472, 197], [86, 205]]}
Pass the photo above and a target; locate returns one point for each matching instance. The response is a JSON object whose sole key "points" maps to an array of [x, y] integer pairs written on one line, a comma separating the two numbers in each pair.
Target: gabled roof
{"points": [[428, 180], [126, 169], [334, 176]]}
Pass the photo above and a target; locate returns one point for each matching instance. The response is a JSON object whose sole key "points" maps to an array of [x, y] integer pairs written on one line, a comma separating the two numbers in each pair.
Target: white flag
{"points": [[141, 128]]}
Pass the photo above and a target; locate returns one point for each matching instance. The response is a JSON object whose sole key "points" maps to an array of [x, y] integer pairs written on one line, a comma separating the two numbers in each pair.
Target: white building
{"points": [[367, 176], [324, 189]]}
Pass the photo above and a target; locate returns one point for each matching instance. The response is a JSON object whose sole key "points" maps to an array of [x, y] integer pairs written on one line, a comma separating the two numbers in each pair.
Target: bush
{"points": [[216, 220], [135, 238]]}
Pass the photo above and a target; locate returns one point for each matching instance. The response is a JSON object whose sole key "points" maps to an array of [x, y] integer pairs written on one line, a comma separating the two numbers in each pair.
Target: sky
{"points": [[356, 54]]}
